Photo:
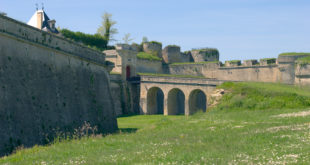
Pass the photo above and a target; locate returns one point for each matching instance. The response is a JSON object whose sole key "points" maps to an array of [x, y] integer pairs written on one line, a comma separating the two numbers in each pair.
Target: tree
{"points": [[107, 29], [127, 38], [144, 39], [2, 13]]}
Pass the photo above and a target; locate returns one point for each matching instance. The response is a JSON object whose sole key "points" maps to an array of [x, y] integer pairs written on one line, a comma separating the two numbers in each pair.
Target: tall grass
{"points": [[262, 96]]}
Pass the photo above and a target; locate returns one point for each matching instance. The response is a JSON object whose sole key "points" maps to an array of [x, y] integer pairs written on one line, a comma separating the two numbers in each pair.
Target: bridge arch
{"points": [[197, 101], [176, 102], [155, 101]]}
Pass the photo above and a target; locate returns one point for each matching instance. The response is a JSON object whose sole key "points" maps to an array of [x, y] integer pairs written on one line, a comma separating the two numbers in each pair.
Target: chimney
{"points": [[39, 19]]}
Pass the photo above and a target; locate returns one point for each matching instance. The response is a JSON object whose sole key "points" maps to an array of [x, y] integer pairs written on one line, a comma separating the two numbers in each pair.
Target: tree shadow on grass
{"points": [[127, 115], [127, 130]]}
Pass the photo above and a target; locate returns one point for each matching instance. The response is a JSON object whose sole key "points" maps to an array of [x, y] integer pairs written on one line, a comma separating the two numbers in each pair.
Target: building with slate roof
{"points": [[41, 21]]}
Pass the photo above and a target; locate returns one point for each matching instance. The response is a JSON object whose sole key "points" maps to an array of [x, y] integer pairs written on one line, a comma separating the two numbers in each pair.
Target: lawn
{"points": [[237, 131], [148, 56]]}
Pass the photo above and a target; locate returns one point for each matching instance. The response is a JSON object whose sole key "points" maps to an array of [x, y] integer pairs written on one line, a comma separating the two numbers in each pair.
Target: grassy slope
{"points": [[148, 56], [237, 135], [294, 54], [264, 96], [304, 60]]}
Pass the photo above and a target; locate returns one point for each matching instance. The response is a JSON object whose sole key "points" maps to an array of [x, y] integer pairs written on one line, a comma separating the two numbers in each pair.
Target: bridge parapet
{"points": [[180, 80], [175, 95]]}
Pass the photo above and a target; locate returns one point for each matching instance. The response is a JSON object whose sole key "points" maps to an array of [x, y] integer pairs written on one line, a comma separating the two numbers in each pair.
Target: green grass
{"points": [[148, 56], [173, 46], [263, 96], [234, 61], [304, 60], [220, 136], [207, 49], [155, 42], [294, 54], [169, 75], [267, 59]]}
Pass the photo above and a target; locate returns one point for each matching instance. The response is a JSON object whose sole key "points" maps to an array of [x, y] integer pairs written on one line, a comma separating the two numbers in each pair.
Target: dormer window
{"points": [[52, 24]]}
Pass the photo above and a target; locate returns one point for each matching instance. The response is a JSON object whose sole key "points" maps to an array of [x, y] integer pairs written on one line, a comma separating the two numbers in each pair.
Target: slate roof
{"points": [[45, 24]]}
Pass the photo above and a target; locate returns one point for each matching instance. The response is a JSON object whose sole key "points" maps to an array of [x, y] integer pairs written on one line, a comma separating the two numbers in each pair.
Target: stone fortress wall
{"points": [[49, 85], [205, 62]]}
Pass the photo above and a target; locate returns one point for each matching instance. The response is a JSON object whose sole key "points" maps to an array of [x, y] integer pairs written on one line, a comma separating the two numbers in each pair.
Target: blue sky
{"points": [[240, 29]]}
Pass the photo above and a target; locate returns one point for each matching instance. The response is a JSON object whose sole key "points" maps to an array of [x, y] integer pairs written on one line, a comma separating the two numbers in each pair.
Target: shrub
{"points": [[156, 42], [269, 60], [95, 41]]}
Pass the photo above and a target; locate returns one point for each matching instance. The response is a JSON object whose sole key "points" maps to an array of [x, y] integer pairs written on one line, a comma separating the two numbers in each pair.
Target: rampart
{"points": [[285, 70], [49, 85]]}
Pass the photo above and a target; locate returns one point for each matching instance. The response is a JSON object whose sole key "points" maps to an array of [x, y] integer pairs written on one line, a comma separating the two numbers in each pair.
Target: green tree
{"points": [[2, 13], [127, 38], [144, 39], [107, 29]]}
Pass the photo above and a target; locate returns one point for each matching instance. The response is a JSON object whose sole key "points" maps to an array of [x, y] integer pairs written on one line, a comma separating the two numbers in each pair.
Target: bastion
{"points": [[205, 54], [153, 47], [171, 54], [49, 86]]}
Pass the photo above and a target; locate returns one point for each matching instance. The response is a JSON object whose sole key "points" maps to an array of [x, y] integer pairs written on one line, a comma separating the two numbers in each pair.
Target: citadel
{"points": [[49, 82]]}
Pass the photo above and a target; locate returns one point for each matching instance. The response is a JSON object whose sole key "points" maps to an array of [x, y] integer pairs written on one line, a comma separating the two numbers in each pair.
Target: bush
{"points": [[269, 60], [95, 41], [155, 42]]}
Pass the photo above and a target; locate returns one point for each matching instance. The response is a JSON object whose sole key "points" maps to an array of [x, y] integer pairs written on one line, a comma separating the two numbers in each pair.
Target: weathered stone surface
{"points": [[250, 62], [177, 93], [205, 55], [147, 66], [233, 63], [45, 90], [172, 54], [153, 48], [302, 73], [216, 96]]}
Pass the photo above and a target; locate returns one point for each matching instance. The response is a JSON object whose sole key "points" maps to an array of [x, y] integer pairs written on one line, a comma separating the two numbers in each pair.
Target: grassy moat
{"points": [[255, 123]]}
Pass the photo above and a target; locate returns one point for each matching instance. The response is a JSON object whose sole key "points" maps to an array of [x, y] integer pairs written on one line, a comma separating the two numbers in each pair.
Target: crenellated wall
{"points": [[266, 73]]}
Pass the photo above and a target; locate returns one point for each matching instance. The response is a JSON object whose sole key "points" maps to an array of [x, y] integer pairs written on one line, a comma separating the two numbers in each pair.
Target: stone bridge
{"points": [[175, 95]]}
